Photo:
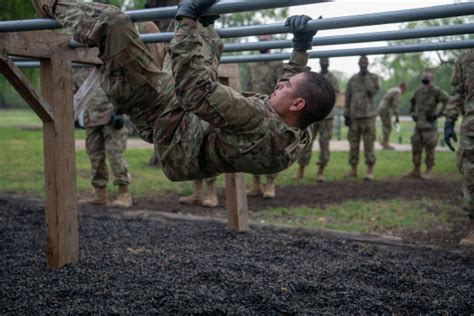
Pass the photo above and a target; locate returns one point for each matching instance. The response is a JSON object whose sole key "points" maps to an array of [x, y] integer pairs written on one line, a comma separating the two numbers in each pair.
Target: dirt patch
{"points": [[131, 266], [321, 194]]}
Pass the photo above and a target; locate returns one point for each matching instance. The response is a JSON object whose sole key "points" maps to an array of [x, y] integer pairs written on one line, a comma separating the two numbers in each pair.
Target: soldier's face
{"points": [[284, 97]]}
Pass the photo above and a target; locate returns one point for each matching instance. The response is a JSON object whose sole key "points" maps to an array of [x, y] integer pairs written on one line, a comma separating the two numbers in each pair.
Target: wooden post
{"points": [[235, 193], [60, 164]]}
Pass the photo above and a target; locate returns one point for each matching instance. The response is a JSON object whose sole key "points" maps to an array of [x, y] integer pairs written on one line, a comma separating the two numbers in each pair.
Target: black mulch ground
{"points": [[181, 267]]}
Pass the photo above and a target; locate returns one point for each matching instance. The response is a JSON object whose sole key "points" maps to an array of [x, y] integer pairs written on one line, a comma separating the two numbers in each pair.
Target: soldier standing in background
{"points": [[262, 78], [462, 102], [424, 112], [359, 116], [390, 104], [324, 128], [106, 136]]}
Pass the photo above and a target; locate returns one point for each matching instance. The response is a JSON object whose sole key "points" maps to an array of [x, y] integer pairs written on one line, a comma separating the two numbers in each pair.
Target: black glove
{"points": [[117, 120], [449, 133], [207, 20], [302, 40], [193, 8], [431, 117], [414, 117], [347, 121]]}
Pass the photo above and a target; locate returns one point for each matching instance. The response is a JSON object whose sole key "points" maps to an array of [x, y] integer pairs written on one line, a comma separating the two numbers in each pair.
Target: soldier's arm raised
{"points": [[458, 93], [371, 84]]}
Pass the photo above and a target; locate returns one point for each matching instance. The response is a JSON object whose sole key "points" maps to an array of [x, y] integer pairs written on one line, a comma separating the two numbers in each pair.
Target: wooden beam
{"points": [[60, 164], [236, 202], [235, 192], [87, 91], [25, 89], [45, 44]]}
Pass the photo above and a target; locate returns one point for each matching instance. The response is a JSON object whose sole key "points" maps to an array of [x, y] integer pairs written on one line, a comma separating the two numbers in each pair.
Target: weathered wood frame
{"points": [[56, 108]]}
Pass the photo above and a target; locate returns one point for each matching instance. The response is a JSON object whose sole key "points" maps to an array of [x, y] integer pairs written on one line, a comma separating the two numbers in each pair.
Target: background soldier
{"points": [[262, 78], [359, 116], [389, 104], [324, 128], [423, 111], [106, 136], [462, 101]]}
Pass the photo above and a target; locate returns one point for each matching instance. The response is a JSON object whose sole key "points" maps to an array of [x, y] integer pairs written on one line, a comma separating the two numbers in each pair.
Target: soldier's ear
{"points": [[297, 105]]}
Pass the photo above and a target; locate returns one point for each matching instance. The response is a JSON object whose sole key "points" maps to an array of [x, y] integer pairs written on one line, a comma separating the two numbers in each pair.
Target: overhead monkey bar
{"points": [[221, 7]]}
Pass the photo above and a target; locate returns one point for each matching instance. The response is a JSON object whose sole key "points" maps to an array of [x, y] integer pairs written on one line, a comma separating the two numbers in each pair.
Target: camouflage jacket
{"points": [[424, 103], [99, 109], [246, 133], [335, 84], [263, 76], [390, 101], [461, 100], [360, 94]]}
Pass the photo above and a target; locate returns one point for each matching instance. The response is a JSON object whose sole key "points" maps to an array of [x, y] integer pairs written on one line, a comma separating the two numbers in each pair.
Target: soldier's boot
{"points": [[197, 198], [210, 200], [352, 173], [299, 173], [428, 173], [370, 173], [44, 8], [415, 173], [320, 175], [269, 190], [468, 241], [99, 197], [256, 188], [124, 198], [387, 146]]}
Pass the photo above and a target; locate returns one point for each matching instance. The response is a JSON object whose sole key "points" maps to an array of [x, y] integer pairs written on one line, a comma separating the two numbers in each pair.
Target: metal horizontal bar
{"points": [[426, 13], [434, 12], [415, 48], [221, 7], [359, 38]]}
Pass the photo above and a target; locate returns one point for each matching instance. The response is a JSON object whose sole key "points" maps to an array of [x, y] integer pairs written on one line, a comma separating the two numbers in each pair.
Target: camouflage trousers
{"points": [[386, 119], [424, 139], [465, 163], [362, 128], [105, 141], [324, 128], [270, 177]]}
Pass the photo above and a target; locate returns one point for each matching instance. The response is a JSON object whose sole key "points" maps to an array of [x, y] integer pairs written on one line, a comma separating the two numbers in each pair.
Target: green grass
{"points": [[365, 216]]}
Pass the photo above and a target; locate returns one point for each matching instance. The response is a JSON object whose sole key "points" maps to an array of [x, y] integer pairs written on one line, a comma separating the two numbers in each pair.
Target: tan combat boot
{"points": [[210, 200], [124, 198], [428, 173], [99, 197], [269, 190], [415, 173], [197, 197], [320, 175], [45, 8], [370, 173], [387, 146], [256, 188], [299, 173], [468, 241], [352, 173]]}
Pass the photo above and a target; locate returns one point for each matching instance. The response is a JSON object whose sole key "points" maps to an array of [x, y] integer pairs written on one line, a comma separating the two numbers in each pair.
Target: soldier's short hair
{"points": [[319, 97]]}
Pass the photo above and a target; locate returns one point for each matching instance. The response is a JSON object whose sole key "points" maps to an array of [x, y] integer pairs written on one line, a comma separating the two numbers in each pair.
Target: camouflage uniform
{"points": [[262, 78], [462, 102], [324, 128], [389, 105], [211, 129], [424, 103], [102, 139], [360, 107]]}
